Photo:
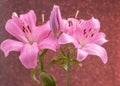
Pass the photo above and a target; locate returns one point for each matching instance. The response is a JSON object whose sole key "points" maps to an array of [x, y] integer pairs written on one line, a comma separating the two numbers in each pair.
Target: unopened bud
{"points": [[55, 20]]}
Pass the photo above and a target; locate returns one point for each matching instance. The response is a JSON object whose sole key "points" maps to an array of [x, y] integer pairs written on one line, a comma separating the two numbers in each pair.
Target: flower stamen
{"points": [[26, 28], [43, 18], [27, 32], [77, 12]]}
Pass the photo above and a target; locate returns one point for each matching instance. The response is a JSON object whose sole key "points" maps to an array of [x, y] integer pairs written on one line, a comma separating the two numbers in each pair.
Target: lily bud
{"points": [[55, 20]]}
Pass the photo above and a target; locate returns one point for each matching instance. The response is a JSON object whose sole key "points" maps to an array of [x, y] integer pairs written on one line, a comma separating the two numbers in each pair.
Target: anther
{"points": [[84, 30], [23, 29], [89, 29], [86, 36], [28, 28], [92, 34]]}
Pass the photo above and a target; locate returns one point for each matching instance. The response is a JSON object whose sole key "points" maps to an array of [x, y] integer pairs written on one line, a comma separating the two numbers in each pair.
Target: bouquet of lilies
{"points": [[69, 37]]}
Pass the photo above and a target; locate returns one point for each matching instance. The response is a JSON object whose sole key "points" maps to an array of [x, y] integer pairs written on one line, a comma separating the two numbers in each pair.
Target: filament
{"points": [[43, 18], [77, 12]]}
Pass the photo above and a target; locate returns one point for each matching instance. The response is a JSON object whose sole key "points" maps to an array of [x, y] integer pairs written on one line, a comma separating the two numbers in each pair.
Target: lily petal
{"points": [[13, 26], [28, 55], [49, 43], [41, 32], [65, 38], [100, 38], [81, 55], [10, 45], [29, 18], [92, 23], [97, 50], [72, 25]]}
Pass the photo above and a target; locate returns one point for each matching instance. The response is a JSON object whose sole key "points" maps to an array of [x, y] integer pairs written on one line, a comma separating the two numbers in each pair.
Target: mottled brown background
{"points": [[94, 72]]}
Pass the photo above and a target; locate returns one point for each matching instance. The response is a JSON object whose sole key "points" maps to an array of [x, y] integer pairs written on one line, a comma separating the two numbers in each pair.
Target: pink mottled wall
{"points": [[93, 72]]}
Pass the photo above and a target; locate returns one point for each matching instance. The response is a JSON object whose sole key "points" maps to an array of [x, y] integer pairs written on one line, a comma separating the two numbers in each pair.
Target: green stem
{"points": [[68, 71], [62, 51], [68, 63], [41, 60]]}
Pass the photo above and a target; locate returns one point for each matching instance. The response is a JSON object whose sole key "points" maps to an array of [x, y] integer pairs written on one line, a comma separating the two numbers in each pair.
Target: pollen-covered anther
{"points": [[26, 28], [89, 29], [84, 31], [92, 34]]}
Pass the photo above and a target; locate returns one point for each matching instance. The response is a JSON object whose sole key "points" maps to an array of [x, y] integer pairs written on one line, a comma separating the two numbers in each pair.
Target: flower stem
{"points": [[68, 63], [62, 52], [68, 71], [41, 60]]}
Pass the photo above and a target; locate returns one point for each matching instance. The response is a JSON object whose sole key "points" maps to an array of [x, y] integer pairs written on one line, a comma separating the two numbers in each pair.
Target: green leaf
{"points": [[75, 62], [47, 79], [64, 64], [55, 60], [62, 60], [33, 75]]}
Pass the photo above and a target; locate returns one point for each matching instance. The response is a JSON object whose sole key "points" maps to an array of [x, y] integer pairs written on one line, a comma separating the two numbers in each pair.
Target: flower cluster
{"points": [[85, 35]]}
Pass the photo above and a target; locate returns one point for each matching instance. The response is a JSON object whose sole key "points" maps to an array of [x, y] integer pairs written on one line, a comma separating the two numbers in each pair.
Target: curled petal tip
{"points": [[95, 20], [55, 6], [14, 14], [10, 45]]}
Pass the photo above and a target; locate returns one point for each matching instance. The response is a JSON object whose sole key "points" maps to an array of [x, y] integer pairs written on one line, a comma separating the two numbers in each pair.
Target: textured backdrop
{"points": [[93, 72]]}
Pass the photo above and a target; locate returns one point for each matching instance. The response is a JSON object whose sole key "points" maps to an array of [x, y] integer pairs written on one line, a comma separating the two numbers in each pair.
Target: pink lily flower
{"points": [[31, 38], [86, 38]]}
